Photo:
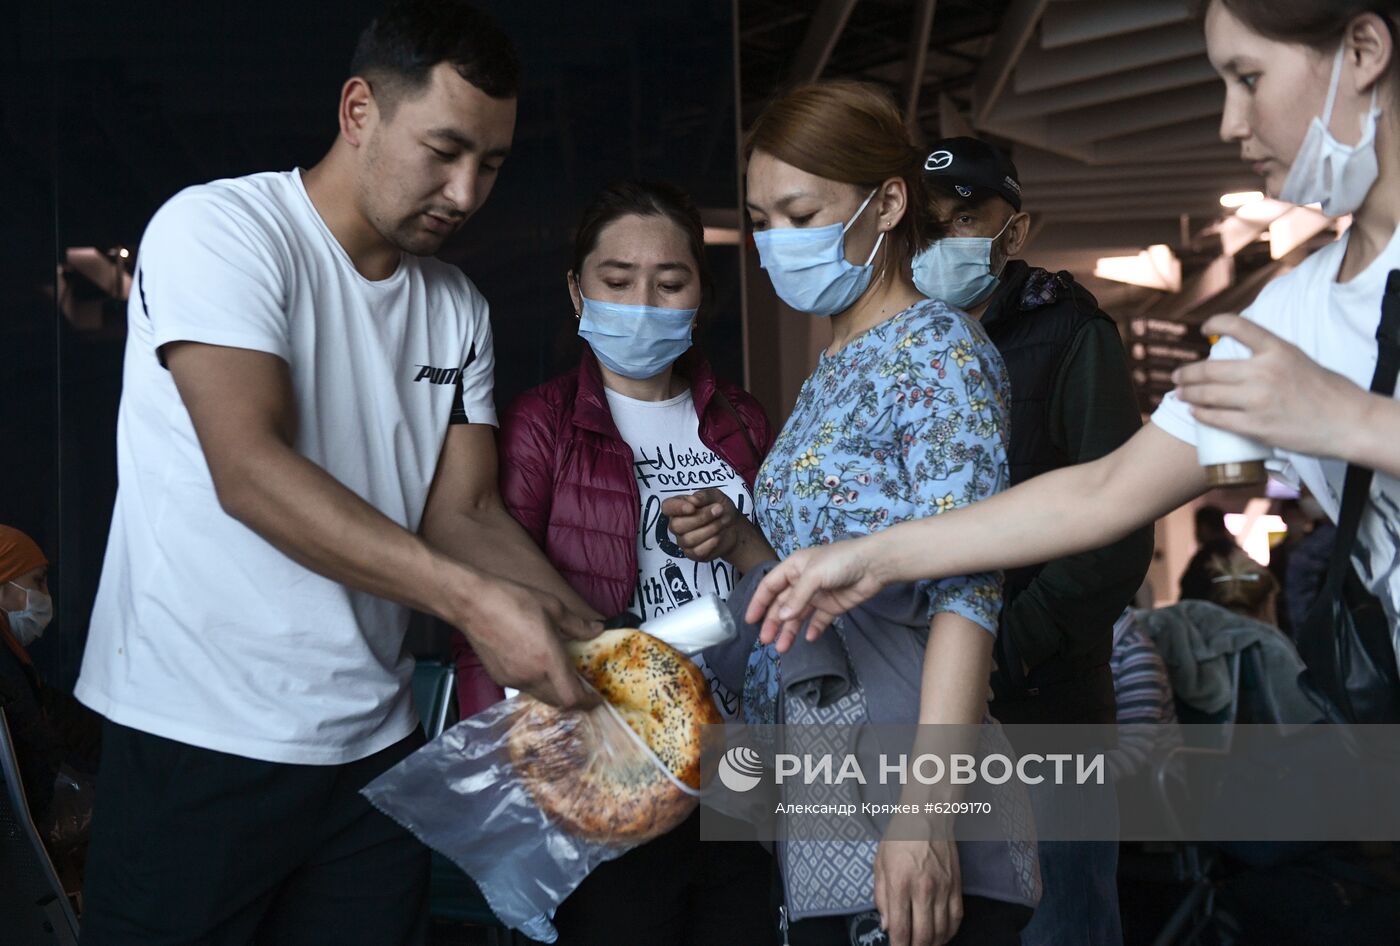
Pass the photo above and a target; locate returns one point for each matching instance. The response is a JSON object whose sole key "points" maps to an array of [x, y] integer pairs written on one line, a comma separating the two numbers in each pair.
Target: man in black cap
{"points": [[1072, 401]]}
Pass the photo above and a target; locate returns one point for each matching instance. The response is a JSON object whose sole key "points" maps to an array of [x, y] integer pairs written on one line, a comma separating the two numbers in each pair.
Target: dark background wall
{"points": [[112, 108]]}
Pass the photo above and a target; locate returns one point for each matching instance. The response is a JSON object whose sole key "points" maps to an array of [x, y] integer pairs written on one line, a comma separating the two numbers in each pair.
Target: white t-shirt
{"points": [[1335, 324], [202, 631], [669, 459]]}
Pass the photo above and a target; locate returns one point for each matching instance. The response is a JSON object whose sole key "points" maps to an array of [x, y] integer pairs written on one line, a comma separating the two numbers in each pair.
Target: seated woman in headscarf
{"points": [[49, 729]]}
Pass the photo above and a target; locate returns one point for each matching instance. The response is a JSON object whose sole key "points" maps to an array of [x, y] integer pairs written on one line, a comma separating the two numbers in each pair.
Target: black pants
{"points": [[192, 846], [675, 891], [985, 922]]}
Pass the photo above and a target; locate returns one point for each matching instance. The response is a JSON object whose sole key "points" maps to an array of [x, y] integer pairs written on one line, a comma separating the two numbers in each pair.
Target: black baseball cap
{"points": [[972, 168]]}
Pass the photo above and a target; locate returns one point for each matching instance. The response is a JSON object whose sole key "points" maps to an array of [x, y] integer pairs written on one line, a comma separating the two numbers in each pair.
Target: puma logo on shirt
{"points": [[443, 375]]}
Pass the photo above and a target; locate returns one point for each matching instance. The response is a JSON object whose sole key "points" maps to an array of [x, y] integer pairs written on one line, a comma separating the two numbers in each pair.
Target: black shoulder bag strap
{"points": [[1346, 641]]}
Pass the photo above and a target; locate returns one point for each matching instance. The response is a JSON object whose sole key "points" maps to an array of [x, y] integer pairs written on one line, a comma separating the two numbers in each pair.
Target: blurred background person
{"points": [[1212, 539], [56, 739], [1146, 706], [1240, 584]]}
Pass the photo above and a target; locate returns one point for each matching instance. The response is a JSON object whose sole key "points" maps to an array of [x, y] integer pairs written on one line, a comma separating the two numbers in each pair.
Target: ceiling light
{"points": [[1264, 210], [1295, 228], [1154, 268], [1240, 198], [1252, 528]]}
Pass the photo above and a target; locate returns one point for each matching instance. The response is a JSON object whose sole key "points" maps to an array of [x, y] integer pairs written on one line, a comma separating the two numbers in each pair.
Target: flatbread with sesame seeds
{"points": [[619, 794]]}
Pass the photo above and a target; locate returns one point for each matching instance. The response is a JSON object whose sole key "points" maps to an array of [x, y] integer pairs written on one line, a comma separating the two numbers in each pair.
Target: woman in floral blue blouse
{"points": [[906, 420], [904, 417]]}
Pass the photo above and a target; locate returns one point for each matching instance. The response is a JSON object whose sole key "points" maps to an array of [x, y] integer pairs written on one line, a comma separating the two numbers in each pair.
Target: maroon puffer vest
{"points": [[566, 476]]}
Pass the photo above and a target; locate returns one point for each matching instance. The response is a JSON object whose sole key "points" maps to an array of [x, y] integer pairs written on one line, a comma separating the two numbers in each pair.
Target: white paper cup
{"points": [[1230, 459]]}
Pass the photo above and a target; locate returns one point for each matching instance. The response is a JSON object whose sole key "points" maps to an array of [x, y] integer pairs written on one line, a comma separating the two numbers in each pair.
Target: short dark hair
{"points": [[645, 199], [398, 50]]}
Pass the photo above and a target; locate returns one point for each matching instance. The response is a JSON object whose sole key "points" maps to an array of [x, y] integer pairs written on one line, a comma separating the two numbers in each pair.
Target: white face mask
{"points": [[29, 624], [1328, 172]]}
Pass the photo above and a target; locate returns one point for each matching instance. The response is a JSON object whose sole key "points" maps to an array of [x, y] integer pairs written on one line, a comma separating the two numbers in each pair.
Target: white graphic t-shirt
{"points": [[669, 459]]}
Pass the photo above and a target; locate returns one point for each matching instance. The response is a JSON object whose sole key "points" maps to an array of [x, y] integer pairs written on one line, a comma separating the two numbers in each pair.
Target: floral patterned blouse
{"points": [[908, 420]]}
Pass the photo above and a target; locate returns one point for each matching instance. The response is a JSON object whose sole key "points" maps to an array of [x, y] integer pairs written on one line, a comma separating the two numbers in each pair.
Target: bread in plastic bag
{"points": [[528, 799]]}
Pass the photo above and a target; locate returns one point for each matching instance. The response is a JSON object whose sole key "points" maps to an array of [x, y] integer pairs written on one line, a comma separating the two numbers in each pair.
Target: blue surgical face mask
{"points": [[28, 624], [636, 341], [808, 265], [958, 270]]}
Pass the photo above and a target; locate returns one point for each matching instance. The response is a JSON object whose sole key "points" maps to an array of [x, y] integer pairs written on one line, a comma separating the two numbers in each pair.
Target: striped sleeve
{"points": [[1146, 710]]}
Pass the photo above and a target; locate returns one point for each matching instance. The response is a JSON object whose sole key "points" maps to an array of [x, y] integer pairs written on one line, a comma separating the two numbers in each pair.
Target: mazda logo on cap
{"points": [[938, 161]]}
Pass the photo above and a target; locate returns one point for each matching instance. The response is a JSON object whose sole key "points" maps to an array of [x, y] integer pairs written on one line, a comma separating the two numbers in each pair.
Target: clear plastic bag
{"points": [[528, 800]]}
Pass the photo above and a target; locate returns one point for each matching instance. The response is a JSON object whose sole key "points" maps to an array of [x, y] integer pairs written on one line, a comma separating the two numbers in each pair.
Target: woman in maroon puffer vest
{"points": [[586, 461]]}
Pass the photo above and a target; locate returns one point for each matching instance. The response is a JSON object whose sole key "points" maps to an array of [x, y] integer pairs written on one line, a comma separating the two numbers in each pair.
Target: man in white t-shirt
{"points": [[305, 452]]}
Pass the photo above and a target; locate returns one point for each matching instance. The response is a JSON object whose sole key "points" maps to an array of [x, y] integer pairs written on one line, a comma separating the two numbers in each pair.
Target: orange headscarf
{"points": [[19, 555]]}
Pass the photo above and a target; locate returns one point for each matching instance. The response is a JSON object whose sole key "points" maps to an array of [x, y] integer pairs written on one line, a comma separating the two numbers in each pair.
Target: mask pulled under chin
{"points": [[1327, 172]]}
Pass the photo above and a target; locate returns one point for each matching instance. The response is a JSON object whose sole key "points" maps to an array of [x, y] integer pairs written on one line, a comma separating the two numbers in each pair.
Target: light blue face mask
{"points": [[636, 341], [808, 266], [958, 270]]}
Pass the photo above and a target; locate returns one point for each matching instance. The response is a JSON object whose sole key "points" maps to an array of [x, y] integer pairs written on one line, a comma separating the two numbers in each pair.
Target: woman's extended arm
{"points": [[1060, 513]]}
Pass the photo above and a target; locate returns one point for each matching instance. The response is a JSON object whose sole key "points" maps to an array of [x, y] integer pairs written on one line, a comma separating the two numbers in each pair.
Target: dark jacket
{"points": [[1307, 573], [1072, 401], [567, 477], [36, 742], [48, 729]]}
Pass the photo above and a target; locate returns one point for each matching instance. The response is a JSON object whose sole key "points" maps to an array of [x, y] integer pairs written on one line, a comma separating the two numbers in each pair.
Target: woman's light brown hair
{"points": [[850, 132]]}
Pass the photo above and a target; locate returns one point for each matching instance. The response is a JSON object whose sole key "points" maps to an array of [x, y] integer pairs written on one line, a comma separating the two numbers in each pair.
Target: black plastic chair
{"points": [[453, 896], [1197, 865], [34, 910]]}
